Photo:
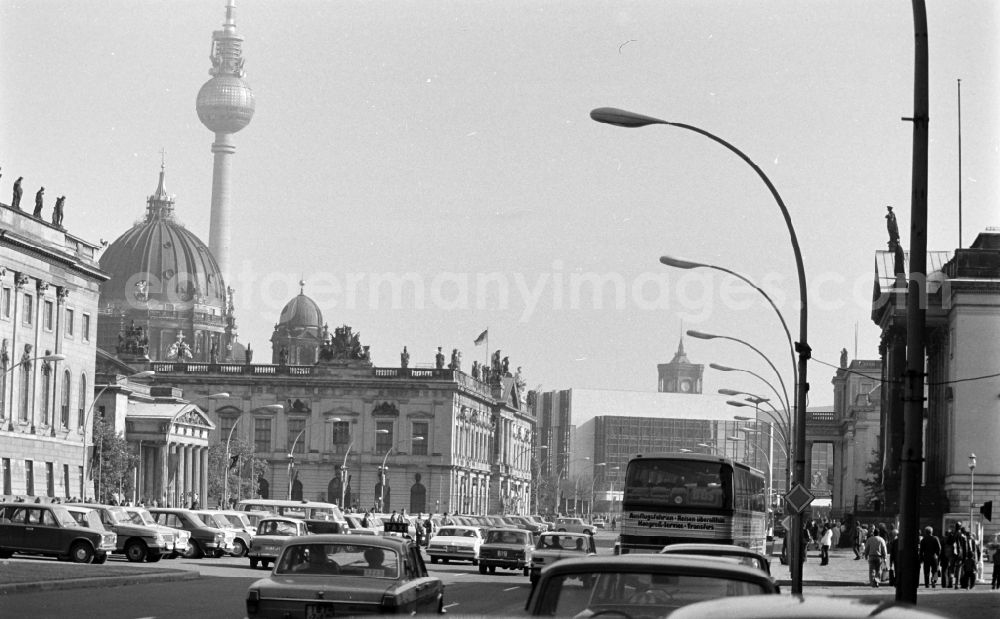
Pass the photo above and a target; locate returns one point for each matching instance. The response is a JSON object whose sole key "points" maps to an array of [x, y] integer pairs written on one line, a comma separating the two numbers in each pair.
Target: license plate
{"points": [[451, 549], [319, 611], [502, 553]]}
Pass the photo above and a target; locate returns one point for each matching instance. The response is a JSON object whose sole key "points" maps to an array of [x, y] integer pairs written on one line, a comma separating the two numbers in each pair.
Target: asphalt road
{"points": [[220, 591]]}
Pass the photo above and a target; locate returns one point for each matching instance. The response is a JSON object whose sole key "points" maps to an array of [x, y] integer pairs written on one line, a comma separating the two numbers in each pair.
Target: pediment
{"points": [[194, 417]]}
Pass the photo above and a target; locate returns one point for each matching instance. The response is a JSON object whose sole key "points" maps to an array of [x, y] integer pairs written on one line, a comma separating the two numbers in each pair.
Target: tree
{"points": [[873, 485], [111, 463], [243, 468]]}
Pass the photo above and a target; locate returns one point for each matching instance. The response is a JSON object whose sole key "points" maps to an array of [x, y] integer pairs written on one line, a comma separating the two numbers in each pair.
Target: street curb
{"points": [[107, 581]]}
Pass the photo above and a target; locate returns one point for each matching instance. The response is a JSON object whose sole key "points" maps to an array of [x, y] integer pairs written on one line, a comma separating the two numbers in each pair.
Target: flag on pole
{"points": [[482, 337]]}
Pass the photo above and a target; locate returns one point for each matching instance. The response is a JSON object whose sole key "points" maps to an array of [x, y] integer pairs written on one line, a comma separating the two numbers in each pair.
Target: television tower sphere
{"points": [[225, 104]]}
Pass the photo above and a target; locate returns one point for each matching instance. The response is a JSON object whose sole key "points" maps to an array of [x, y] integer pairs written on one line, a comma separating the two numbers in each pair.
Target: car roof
{"points": [[491, 529], [781, 606], [682, 564], [393, 543]]}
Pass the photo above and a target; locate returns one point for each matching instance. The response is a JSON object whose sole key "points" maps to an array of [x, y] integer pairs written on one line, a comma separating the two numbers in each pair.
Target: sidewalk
{"points": [[42, 575]]}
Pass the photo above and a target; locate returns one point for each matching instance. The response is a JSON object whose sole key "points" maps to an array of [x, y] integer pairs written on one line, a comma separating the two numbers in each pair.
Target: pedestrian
{"points": [[825, 541], [876, 553], [930, 553], [394, 517], [835, 528], [365, 520], [893, 548], [614, 523], [418, 526], [970, 560], [860, 535], [428, 527], [996, 568], [949, 558]]}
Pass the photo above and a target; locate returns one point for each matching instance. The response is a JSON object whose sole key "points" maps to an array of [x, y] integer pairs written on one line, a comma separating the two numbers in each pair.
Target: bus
{"points": [[684, 497], [321, 517]]}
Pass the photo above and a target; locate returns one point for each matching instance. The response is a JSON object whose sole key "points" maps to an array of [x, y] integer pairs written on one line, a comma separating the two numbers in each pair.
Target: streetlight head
{"points": [[417, 439], [734, 438], [601, 464], [703, 445], [143, 374], [220, 395], [54, 357], [381, 431], [623, 118], [736, 403], [274, 407], [756, 399], [700, 335], [730, 392], [684, 451], [677, 263], [972, 462], [721, 368], [741, 418]]}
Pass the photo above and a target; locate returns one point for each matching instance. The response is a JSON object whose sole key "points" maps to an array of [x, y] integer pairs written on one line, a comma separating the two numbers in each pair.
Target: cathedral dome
{"points": [[300, 315], [159, 262]]}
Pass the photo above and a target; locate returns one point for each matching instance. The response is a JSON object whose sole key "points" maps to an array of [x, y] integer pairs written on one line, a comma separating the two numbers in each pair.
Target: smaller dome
{"points": [[301, 313], [225, 104]]}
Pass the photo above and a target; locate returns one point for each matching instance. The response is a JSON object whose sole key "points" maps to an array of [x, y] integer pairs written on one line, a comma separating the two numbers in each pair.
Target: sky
{"points": [[443, 150]]}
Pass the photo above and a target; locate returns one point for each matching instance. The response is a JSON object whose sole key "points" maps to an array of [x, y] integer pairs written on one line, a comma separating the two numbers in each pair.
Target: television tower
{"points": [[225, 105]]}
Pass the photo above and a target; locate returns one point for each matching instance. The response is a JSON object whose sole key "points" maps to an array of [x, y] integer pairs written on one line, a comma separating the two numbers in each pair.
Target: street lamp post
{"points": [[711, 336], [83, 426], [972, 496], [382, 470], [593, 486], [291, 451], [226, 465], [343, 477], [628, 119]]}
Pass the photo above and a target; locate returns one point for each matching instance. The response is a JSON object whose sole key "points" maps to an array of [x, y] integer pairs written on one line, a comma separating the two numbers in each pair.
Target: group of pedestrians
{"points": [[952, 558]]}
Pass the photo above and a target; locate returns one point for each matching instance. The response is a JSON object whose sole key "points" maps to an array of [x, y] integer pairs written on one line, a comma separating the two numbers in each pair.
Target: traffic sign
{"points": [[798, 498]]}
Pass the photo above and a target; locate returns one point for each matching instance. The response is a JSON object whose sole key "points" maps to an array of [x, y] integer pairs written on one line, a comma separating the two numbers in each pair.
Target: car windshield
{"points": [[338, 559], [277, 527], [215, 520], [234, 520], [634, 594], [118, 515], [140, 516], [564, 542], [505, 537], [453, 532]]}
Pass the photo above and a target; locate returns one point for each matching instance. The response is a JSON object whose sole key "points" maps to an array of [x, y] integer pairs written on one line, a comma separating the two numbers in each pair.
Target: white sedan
{"points": [[455, 543]]}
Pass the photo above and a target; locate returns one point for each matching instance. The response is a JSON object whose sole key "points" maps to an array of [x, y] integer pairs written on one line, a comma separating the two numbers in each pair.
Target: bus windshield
{"points": [[678, 482]]}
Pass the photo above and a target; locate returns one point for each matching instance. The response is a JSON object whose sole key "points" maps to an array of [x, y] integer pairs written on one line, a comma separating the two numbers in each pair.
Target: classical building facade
{"points": [[856, 401], [49, 283], [962, 357]]}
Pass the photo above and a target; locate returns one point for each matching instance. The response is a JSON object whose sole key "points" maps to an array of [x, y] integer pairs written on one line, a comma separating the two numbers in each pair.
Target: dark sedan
{"points": [[639, 585], [319, 576]]}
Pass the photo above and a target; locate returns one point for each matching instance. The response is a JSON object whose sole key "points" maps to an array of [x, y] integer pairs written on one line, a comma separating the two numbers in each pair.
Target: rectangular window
{"points": [[48, 312], [341, 432], [29, 477], [5, 302], [69, 322], [6, 476], [50, 480], [66, 480], [226, 424], [262, 434], [296, 435], [383, 436], [29, 309], [420, 438], [85, 328]]}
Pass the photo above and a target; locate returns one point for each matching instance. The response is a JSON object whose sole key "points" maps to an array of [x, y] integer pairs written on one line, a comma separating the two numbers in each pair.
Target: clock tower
{"points": [[680, 375]]}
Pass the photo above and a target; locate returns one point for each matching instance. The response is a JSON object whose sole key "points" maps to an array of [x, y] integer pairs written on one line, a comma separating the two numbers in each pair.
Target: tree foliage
{"points": [[112, 463], [240, 464], [873, 485]]}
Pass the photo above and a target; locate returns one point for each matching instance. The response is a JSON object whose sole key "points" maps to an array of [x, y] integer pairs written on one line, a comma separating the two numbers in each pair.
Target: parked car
{"points": [[599, 522], [640, 585], [138, 542], [509, 549], [523, 522], [50, 530], [355, 526], [788, 607], [206, 539], [552, 547], [329, 575], [272, 533], [573, 525], [242, 532], [739, 554], [182, 538], [455, 544]]}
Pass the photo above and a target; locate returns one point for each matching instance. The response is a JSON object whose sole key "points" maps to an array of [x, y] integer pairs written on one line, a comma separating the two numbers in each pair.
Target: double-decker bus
{"points": [[683, 498]]}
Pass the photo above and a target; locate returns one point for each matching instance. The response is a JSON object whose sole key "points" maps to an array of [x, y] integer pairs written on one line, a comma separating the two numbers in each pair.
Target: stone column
{"points": [[203, 493], [170, 470], [185, 485], [196, 475]]}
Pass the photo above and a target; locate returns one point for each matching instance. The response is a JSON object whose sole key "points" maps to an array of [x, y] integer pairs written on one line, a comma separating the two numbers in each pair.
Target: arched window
{"points": [[64, 413], [296, 490], [82, 399]]}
